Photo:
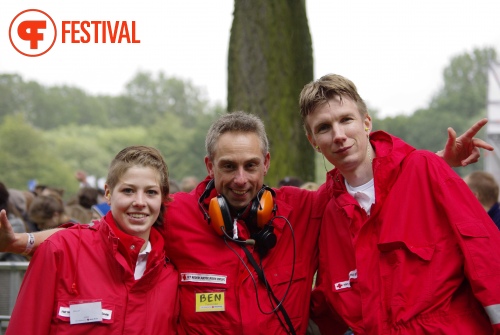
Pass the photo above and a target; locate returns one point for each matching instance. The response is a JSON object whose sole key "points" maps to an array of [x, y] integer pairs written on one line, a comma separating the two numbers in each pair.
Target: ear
{"points": [[476, 194], [267, 163], [368, 122], [210, 167], [311, 140], [107, 194]]}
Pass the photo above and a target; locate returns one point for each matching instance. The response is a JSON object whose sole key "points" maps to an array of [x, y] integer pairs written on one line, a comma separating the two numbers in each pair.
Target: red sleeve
{"points": [[34, 306], [479, 240]]}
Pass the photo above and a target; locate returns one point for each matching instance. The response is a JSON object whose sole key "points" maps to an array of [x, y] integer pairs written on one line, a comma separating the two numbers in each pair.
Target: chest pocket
{"points": [[478, 249], [281, 277], [406, 272], [111, 323], [294, 288], [205, 298]]}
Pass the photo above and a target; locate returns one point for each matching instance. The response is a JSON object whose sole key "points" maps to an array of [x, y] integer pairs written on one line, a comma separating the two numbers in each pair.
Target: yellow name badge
{"points": [[210, 302]]}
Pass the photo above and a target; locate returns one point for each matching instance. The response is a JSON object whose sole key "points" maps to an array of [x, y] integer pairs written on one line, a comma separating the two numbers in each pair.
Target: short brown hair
{"points": [[145, 156], [485, 185], [42, 210], [318, 92], [236, 122]]}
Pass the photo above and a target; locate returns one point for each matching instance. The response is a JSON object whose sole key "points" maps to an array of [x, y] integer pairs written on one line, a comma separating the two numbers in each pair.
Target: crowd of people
{"points": [[400, 244], [44, 207]]}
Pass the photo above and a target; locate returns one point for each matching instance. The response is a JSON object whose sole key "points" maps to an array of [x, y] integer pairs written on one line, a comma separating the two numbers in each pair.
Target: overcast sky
{"points": [[394, 50]]}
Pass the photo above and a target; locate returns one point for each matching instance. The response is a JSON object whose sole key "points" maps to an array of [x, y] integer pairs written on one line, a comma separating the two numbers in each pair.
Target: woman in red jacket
{"points": [[110, 276], [405, 247]]}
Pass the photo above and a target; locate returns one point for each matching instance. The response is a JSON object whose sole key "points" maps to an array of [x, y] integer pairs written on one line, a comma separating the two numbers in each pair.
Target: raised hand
{"points": [[464, 150], [7, 235]]}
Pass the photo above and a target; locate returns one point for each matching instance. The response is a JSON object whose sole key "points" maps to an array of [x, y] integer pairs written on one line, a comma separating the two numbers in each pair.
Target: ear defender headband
{"points": [[260, 213]]}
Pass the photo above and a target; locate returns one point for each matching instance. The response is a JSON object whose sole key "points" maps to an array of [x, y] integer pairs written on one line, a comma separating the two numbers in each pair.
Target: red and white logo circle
{"points": [[32, 32]]}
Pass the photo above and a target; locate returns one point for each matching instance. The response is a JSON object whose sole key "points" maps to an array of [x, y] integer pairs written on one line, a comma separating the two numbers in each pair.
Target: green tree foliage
{"points": [[153, 98], [465, 84], [11, 96], [183, 147], [48, 107], [269, 62], [179, 115], [425, 129], [25, 154], [460, 103], [75, 130], [47, 133], [92, 148]]}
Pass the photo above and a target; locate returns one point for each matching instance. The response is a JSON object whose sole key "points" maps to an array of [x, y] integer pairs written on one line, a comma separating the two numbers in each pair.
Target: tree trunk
{"points": [[270, 61]]}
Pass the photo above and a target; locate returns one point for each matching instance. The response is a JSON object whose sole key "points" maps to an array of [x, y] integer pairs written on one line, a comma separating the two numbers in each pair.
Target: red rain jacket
{"points": [[82, 264], [426, 261], [217, 276]]}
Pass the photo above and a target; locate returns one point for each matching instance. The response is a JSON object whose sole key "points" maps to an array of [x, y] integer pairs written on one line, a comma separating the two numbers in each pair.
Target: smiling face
{"points": [[341, 133], [238, 167], [136, 200]]}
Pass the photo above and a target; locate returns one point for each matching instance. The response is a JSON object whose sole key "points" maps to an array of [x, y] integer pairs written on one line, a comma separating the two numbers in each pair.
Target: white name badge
{"points": [[85, 313], [203, 278]]}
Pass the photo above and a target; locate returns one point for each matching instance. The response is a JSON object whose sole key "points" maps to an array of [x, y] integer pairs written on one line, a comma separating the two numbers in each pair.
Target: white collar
{"points": [[364, 194]]}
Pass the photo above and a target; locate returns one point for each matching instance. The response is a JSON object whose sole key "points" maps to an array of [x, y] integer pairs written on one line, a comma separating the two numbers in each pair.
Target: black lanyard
{"points": [[263, 279]]}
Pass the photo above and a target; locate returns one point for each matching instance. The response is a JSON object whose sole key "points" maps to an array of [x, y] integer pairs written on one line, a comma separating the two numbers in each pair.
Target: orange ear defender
{"points": [[219, 214], [266, 212], [263, 208], [260, 213]]}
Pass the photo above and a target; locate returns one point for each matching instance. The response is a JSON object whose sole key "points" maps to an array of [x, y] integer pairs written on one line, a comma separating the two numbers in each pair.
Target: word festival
{"points": [[99, 32]]}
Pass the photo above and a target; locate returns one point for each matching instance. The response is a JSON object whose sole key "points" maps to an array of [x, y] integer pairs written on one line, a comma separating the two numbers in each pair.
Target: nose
{"points": [[338, 134], [139, 200], [240, 176]]}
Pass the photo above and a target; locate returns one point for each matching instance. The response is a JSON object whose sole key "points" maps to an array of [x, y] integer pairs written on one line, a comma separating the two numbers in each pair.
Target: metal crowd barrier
{"points": [[11, 276]]}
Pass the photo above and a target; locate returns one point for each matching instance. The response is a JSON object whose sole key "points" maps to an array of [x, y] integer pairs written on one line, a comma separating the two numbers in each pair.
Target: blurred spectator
{"points": [[11, 210], [310, 185], [485, 188], [290, 181], [47, 211], [58, 192], [28, 196], [81, 176], [39, 189], [88, 197], [79, 213], [188, 183], [18, 200], [174, 186], [15, 220], [22, 201], [89, 181], [99, 210], [100, 195]]}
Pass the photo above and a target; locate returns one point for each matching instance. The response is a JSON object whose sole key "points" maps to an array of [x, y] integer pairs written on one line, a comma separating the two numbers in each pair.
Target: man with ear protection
{"points": [[246, 254], [244, 269]]}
